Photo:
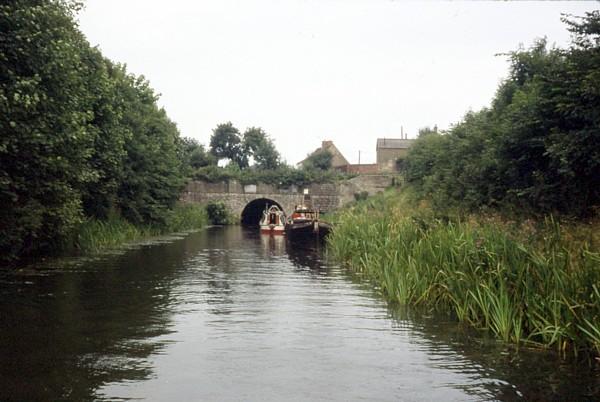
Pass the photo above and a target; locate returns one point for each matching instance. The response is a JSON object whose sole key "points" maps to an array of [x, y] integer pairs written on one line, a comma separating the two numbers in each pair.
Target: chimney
{"points": [[326, 144]]}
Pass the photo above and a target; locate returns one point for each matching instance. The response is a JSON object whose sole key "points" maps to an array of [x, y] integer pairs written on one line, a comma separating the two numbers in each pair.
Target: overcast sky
{"points": [[311, 70]]}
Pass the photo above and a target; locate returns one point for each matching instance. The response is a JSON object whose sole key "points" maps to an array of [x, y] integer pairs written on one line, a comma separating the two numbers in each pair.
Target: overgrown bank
{"points": [[527, 282], [94, 235], [533, 154]]}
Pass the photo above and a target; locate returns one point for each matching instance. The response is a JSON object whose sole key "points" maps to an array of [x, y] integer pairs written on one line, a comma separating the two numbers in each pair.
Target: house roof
{"points": [[338, 157], [393, 143]]}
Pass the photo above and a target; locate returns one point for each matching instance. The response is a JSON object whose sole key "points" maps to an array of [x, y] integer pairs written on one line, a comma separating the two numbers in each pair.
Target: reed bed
{"points": [[526, 282], [94, 235]]}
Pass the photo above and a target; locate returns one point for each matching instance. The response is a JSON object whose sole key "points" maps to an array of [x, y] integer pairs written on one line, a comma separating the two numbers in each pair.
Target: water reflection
{"points": [[65, 332], [497, 371], [228, 314], [272, 245]]}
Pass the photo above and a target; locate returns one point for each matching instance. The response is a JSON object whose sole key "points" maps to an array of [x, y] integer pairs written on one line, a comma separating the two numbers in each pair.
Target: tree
{"points": [[193, 154], [226, 143], [80, 136], [258, 146], [537, 147], [99, 195], [572, 92], [152, 173], [320, 160], [427, 131], [44, 119]]}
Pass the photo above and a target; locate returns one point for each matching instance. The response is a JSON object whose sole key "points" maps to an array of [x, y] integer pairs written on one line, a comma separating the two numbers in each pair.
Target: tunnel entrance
{"points": [[252, 212]]}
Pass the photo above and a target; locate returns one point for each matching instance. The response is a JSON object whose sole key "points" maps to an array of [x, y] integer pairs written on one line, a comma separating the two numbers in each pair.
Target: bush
{"points": [[187, 217], [94, 235], [218, 214], [283, 176], [361, 196]]}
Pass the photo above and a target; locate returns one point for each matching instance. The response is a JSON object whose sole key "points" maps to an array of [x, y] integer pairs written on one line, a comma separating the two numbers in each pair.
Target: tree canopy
{"points": [[259, 147], [80, 135], [226, 143], [537, 147], [320, 160], [254, 146]]}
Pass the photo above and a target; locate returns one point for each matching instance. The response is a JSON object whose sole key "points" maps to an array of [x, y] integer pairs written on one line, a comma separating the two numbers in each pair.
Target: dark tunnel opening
{"points": [[252, 213]]}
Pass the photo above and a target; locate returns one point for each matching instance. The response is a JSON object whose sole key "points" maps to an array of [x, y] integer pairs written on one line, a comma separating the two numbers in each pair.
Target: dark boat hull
{"points": [[298, 230], [308, 229], [323, 229]]}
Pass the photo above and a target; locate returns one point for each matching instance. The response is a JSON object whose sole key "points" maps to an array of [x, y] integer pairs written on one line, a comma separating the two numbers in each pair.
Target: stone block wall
{"points": [[326, 196], [372, 184]]}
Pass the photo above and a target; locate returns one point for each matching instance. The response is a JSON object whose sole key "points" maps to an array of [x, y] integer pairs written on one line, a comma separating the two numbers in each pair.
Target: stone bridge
{"points": [[248, 201]]}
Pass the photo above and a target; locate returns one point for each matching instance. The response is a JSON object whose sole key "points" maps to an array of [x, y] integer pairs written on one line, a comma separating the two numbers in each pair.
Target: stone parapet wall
{"points": [[237, 202], [323, 189], [372, 168], [372, 184], [323, 196]]}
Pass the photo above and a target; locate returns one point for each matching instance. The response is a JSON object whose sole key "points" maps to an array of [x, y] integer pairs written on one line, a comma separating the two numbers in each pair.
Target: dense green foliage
{"points": [[320, 160], [283, 176], [252, 158], [537, 148], [226, 143], [95, 235], [80, 137], [186, 217], [525, 282], [218, 214], [194, 156], [260, 147], [254, 147]]}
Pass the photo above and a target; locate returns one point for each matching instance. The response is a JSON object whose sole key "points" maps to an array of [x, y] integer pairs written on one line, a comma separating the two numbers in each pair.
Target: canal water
{"points": [[226, 314]]}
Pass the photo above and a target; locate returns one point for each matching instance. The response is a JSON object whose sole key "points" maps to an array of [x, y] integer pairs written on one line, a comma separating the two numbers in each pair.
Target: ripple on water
{"points": [[224, 314]]}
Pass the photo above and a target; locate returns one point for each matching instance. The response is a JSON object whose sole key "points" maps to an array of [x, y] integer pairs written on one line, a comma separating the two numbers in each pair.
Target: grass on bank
{"points": [[526, 281], [94, 235]]}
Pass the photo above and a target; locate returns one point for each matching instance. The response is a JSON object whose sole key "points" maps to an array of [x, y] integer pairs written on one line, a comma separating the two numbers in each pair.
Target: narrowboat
{"points": [[304, 222], [273, 221]]}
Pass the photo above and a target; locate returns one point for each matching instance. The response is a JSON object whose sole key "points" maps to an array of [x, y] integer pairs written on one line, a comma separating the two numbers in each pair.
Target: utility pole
{"points": [[359, 156]]}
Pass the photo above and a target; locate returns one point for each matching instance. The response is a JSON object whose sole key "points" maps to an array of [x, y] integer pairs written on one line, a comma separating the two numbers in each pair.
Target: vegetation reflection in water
{"points": [[66, 331], [181, 319]]}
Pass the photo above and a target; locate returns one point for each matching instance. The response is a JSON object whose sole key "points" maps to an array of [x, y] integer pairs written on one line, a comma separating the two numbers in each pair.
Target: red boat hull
{"points": [[274, 231]]}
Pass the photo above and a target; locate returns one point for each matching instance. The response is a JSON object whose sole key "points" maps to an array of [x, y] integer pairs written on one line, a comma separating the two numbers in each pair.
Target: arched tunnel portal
{"points": [[252, 212]]}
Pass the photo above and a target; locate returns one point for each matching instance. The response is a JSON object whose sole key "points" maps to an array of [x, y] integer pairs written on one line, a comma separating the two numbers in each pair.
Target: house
{"points": [[389, 150], [338, 161]]}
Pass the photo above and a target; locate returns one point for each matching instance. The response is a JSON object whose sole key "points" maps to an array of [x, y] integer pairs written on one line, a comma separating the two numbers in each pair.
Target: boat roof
{"points": [[303, 208]]}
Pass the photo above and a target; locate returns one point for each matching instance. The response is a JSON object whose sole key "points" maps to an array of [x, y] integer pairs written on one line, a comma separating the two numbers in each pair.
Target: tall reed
{"points": [[94, 235], [525, 282]]}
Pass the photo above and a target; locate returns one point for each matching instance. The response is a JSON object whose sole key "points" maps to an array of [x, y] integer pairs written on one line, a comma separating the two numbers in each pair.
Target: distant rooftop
{"points": [[393, 143], [338, 158]]}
